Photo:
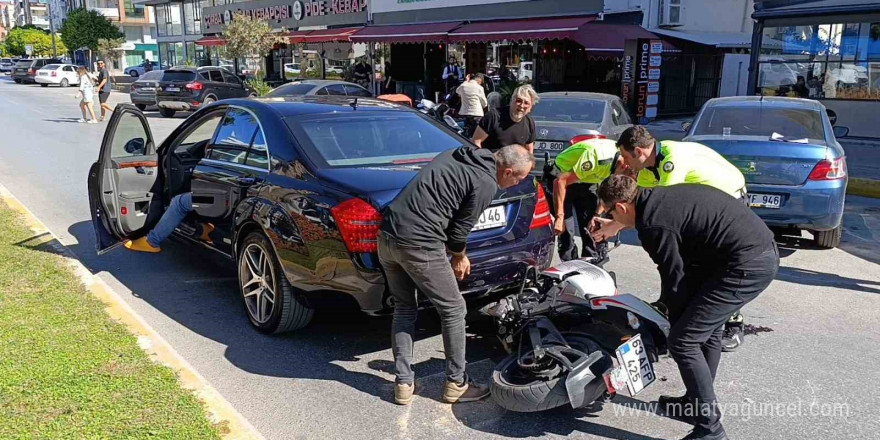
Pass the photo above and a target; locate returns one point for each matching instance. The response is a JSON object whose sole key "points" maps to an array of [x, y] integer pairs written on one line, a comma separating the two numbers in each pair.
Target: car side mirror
{"points": [[686, 126], [841, 131], [136, 146]]}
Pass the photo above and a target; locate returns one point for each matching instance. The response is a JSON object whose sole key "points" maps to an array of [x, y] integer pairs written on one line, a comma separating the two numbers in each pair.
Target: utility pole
{"points": [[52, 28]]}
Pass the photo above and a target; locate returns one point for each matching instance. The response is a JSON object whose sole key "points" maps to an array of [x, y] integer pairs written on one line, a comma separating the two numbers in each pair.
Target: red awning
{"points": [[531, 29], [331, 35], [211, 41], [406, 33], [296, 37], [612, 37]]}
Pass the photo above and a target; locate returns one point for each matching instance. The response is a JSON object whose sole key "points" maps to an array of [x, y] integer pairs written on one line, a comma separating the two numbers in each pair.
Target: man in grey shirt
{"points": [[105, 84]]}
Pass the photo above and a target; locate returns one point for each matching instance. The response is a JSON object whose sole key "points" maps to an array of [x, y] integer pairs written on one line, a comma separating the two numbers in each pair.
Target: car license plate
{"points": [[551, 146], [765, 200], [492, 217], [172, 89], [634, 365], [44, 73], [148, 89]]}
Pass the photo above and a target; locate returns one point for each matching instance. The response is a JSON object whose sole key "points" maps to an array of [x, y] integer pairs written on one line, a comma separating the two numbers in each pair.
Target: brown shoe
{"points": [[469, 392], [207, 229], [403, 393]]}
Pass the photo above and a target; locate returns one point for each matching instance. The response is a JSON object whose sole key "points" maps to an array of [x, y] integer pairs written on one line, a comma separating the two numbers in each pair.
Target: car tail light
{"points": [[54, 73], [542, 211], [584, 137], [32, 72], [829, 169], [358, 222], [195, 86]]}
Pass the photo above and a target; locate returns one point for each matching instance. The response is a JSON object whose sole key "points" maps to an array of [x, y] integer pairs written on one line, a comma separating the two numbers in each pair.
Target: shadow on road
{"points": [[64, 120], [813, 278]]}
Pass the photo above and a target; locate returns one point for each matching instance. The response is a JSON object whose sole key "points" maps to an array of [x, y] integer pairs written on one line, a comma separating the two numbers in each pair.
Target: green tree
{"points": [[109, 48], [20, 37], [250, 39], [83, 28]]}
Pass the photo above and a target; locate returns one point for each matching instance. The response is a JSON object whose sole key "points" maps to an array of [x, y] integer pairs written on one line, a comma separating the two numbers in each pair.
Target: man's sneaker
{"points": [[207, 229], [698, 434], [470, 391], [141, 245], [732, 337], [403, 393], [680, 408]]}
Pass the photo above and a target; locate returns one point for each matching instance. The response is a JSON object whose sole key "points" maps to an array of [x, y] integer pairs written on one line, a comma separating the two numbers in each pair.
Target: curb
{"points": [[232, 424], [863, 187]]}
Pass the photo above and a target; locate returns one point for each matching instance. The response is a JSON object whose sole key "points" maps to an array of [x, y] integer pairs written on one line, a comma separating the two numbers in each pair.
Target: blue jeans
{"points": [[181, 205]]}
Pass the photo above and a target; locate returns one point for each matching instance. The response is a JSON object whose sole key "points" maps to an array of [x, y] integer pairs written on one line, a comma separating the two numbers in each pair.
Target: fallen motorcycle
{"points": [[610, 343]]}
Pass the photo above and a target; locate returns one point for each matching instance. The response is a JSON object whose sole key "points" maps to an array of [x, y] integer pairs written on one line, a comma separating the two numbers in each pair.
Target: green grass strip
{"points": [[66, 370]]}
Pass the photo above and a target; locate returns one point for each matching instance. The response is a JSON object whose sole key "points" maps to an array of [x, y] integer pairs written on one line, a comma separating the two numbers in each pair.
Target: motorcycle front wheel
{"points": [[516, 389]]}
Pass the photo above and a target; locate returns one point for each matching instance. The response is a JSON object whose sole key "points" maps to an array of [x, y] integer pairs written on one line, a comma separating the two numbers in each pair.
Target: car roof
{"points": [[758, 101], [579, 95], [323, 82], [286, 106]]}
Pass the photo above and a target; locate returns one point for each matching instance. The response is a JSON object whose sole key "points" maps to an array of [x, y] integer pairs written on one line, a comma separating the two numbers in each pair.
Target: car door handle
{"points": [[246, 180]]}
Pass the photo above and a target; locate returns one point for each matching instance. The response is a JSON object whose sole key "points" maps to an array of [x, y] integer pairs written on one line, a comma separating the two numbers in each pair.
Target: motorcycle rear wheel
{"points": [[518, 390]]}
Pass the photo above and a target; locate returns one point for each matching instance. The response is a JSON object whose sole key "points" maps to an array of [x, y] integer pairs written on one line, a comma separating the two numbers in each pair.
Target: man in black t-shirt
{"points": [[509, 125]]}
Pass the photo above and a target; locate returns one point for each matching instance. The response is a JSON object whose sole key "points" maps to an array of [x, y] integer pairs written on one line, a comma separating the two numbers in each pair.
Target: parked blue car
{"points": [[787, 149], [295, 188]]}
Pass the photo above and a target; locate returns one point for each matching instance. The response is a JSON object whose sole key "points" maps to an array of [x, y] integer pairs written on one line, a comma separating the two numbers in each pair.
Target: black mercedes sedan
{"points": [[295, 188]]}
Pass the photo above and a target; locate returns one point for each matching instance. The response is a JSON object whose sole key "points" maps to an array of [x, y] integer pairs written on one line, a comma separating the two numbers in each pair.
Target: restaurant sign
{"points": [[288, 13]]}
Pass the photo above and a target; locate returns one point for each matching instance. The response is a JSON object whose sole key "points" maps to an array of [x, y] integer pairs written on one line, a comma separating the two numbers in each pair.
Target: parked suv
{"points": [[25, 71], [189, 88]]}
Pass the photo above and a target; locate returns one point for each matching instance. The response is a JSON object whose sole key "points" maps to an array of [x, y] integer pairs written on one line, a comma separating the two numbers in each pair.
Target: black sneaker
{"points": [[679, 408], [732, 337], [698, 434]]}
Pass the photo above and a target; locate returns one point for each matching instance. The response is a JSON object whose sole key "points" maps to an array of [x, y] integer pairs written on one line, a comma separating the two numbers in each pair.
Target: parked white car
{"points": [[59, 74], [136, 71], [526, 71], [6, 64], [292, 68]]}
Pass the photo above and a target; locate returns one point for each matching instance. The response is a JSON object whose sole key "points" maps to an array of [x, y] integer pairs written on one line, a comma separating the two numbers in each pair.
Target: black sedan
{"points": [[308, 87], [295, 188]]}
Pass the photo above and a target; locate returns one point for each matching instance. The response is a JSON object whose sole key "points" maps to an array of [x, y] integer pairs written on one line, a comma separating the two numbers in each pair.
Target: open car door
{"points": [[121, 181]]}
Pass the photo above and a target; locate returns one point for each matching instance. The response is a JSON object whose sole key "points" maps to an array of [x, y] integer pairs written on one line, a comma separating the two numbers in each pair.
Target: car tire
{"points": [[133, 73], [167, 112], [65, 83], [141, 107], [828, 239], [44, 85], [208, 100], [290, 311], [17, 81], [252, 95]]}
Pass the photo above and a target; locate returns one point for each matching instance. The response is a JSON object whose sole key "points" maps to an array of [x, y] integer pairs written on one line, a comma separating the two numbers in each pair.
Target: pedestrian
{"points": [[148, 65], [452, 74], [800, 88], [473, 100], [430, 219], [666, 163], [683, 227], [572, 179], [389, 85], [105, 84], [361, 73], [510, 124], [86, 95]]}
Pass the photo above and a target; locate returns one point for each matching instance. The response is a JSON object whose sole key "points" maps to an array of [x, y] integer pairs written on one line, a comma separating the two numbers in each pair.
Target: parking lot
{"points": [[807, 369]]}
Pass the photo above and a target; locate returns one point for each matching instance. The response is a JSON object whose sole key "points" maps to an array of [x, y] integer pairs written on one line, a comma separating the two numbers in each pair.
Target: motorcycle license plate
{"points": [[765, 200], [551, 146], [635, 367], [492, 217]]}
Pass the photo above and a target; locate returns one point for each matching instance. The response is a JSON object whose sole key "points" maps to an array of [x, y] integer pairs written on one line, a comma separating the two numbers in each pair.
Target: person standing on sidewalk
{"points": [[509, 125], [429, 219], [105, 85], [684, 224], [473, 100], [87, 96]]}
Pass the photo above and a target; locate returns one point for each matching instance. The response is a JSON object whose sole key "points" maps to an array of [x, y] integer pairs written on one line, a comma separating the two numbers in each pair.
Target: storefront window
{"points": [[160, 20], [831, 61], [192, 17], [133, 11], [172, 19], [172, 54]]}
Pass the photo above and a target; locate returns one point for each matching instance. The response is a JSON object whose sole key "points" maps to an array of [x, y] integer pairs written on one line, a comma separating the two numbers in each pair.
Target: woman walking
{"points": [[87, 92]]}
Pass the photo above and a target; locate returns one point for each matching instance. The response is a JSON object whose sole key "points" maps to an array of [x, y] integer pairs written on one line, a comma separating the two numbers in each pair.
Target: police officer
{"points": [[679, 225], [668, 163], [572, 179]]}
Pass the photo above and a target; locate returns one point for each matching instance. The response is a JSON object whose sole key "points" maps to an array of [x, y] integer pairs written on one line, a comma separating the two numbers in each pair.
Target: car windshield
{"points": [[763, 121], [374, 139], [178, 75], [24, 63], [151, 75], [292, 89], [569, 110]]}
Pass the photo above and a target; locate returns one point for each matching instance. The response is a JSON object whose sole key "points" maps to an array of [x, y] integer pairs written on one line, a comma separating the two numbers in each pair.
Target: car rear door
{"points": [[216, 85], [235, 163], [121, 182], [235, 85]]}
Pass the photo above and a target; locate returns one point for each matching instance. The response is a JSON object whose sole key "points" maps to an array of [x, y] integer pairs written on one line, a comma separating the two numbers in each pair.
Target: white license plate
{"points": [[148, 89], [765, 200], [172, 89], [552, 146], [44, 73], [634, 365], [492, 217]]}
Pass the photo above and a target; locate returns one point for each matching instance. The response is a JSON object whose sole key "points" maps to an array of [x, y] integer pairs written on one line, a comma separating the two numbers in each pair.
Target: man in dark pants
{"points": [[105, 85], [431, 217], [681, 226]]}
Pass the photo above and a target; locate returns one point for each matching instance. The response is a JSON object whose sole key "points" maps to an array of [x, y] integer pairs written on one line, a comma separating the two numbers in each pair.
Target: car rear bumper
{"points": [[179, 104], [143, 99], [23, 77], [814, 206], [48, 79]]}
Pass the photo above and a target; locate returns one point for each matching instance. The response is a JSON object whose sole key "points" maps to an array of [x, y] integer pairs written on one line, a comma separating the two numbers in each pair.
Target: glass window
{"points": [[133, 11], [192, 17], [230, 78], [161, 27], [215, 75], [258, 155], [133, 34], [322, 91], [762, 121], [569, 110], [173, 19], [375, 139], [203, 131], [353, 90], [178, 75], [130, 137], [335, 89], [292, 89], [234, 136]]}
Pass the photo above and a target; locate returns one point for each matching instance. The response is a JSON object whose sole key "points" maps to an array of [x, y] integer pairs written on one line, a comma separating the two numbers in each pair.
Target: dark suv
{"points": [[26, 70], [189, 88]]}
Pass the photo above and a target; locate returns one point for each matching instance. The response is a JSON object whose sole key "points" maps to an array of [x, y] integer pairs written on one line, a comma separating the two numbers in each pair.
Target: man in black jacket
{"points": [[431, 217], [714, 255]]}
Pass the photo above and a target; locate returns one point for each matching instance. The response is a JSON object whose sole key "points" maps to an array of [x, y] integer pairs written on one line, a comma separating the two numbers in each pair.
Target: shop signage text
{"points": [[296, 10], [641, 78]]}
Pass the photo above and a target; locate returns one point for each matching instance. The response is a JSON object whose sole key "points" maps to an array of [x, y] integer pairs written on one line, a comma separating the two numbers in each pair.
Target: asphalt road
{"points": [[808, 369]]}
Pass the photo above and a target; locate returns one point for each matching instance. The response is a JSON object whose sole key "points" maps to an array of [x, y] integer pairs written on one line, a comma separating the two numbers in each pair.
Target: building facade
{"points": [[136, 23]]}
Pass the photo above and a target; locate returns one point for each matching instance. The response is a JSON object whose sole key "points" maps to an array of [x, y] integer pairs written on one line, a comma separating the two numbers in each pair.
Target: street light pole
{"points": [[52, 29]]}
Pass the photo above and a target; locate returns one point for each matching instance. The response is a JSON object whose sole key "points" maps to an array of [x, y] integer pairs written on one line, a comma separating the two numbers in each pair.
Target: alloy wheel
{"points": [[257, 277]]}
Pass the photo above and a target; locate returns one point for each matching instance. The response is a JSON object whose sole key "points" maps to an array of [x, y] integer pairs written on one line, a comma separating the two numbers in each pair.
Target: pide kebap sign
{"points": [[290, 14]]}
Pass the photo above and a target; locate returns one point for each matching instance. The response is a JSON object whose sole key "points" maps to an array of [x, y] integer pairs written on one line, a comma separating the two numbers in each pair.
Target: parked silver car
{"points": [[143, 91]]}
